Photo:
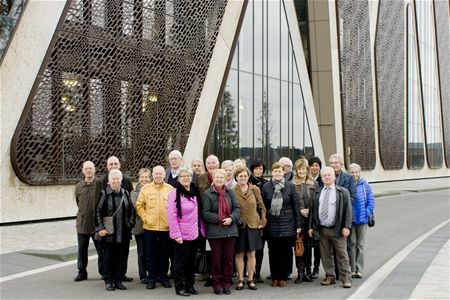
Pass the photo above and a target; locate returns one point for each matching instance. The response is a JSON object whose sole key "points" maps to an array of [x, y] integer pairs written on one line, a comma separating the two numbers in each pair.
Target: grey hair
{"points": [[185, 170], [176, 152], [353, 165], [226, 163], [115, 172], [338, 157], [327, 170], [286, 161]]}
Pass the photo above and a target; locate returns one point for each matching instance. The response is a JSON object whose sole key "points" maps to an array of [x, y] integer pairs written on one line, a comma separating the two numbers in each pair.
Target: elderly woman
{"points": [[227, 165], [144, 177], [184, 223], [253, 218], [308, 192], [114, 202], [283, 223], [198, 167], [221, 211], [362, 210]]}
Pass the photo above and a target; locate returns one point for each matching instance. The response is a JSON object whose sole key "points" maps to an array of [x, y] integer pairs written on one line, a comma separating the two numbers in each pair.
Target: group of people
{"points": [[236, 209]]}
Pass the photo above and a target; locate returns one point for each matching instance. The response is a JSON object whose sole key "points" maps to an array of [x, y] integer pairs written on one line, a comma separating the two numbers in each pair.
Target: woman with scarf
{"points": [[184, 224], [283, 223], [227, 165], [308, 192], [221, 212]]}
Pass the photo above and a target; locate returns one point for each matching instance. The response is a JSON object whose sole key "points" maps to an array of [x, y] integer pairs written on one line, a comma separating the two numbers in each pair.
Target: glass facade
{"points": [[430, 81], [415, 147], [262, 114], [10, 12]]}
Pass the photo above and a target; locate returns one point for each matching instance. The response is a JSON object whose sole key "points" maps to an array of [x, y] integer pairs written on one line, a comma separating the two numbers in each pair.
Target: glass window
{"points": [[258, 116], [246, 41], [258, 36], [274, 38], [246, 113]]}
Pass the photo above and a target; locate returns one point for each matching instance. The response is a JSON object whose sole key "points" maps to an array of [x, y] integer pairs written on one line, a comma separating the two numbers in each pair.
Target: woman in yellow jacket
{"points": [[152, 208]]}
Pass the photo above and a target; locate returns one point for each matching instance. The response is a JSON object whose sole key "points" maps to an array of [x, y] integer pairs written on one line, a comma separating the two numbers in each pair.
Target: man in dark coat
{"points": [[86, 201], [332, 220]]}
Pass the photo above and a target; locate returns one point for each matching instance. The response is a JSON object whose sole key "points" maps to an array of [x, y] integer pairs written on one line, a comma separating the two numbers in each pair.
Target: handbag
{"points": [[108, 222], [371, 220], [201, 263], [299, 246]]}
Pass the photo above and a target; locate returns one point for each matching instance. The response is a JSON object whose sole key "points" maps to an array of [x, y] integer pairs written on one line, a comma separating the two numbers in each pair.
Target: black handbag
{"points": [[108, 222], [371, 221], [201, 263]]}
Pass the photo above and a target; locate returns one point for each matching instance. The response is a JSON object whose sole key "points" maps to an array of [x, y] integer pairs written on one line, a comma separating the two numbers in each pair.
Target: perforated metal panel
{"points": [[120, 78], [356, 83], [443, 46], [390, 55]]}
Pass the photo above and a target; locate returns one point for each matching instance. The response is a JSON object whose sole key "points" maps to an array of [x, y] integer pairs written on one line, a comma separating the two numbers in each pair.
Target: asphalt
{"points": [[32, 246]]}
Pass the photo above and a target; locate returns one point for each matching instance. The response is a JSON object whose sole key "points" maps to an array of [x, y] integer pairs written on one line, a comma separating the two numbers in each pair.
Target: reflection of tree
{"points": [[226, 135], [267, 126]]}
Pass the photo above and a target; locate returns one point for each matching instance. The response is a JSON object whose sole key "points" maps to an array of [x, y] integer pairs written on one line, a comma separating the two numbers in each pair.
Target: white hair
{"points": [[115, 172], [286, 161], [175, 152], [354, 166]]}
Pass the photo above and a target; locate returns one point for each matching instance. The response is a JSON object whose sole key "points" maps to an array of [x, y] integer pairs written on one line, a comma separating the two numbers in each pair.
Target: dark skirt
{"points": [[249, 240]]}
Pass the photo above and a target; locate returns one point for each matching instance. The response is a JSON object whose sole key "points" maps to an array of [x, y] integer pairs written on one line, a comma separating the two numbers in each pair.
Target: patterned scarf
{"points": [[277, 198], [224, 208]]}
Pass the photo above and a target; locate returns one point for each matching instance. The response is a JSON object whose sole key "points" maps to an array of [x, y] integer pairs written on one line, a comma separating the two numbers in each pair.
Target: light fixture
{"points": [[72, 82], [152, 98], [71, 108], [65, 98]]}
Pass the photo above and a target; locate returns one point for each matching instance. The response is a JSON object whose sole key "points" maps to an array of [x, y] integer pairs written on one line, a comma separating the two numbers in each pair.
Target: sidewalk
{"points": [[29, 246]]}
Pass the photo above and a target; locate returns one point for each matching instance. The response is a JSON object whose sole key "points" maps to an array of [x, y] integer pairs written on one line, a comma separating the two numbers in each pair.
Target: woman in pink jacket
{"points": [[184, 223]]}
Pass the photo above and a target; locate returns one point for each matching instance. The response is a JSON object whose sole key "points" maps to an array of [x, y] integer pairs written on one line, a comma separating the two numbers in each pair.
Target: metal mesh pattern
{"points": [[120, 78], [443, 45], [390, 55], [356, 83]]}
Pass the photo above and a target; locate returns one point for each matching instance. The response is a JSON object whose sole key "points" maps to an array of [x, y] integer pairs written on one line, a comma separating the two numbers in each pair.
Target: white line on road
{"points": [[366, 289], [46, 268]]}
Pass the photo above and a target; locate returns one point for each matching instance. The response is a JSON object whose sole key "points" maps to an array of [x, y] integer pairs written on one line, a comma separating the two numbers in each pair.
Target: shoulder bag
{"points": [[108, 222]]}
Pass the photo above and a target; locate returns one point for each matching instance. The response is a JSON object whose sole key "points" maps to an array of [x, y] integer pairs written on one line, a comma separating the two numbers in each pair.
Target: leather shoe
{"points": [[308, 278], [226, 291], [328, 281], [183, 293], [110, 287], [299, 279], [315, 273], [347, 285], [120, 286], [80, 277], [218, 292], [127, 279], [208, 282], [258, 279], [282, 283], [192, 291], [166, 284], [144, 280], [274, 282], [150, 285]]}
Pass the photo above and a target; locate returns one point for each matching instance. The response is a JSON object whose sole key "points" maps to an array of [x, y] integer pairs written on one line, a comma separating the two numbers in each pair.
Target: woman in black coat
{"points": [[283, 223], [116, 201]]}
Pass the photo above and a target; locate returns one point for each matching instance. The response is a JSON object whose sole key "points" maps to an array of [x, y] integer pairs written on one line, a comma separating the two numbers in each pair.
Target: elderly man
{"points": [[86, 201], [175, 161], [151, 206], [111, 164], [332, 220], [287, 168], [205, 180]]}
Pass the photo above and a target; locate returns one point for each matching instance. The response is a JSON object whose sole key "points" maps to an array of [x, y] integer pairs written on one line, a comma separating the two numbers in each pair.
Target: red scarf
{"points": [[224, 209], [210, 179]]}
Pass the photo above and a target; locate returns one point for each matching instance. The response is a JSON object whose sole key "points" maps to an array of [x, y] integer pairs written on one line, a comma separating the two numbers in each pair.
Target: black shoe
{"points": [[144, 280], [166, 284], [218, 292], [127, 279], [315, 274], [183, 293], [80, 277], [110, 287], [150, 285], [270, 276], [299, 279], [192, 291], [226, 291], [120, 286], [289, 276], [258, 279], [308, 278], [171, 275], [208, 282]]}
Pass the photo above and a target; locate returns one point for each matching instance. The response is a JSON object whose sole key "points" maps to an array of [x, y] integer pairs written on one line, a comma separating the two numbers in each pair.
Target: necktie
{"points": [[324, 211]]}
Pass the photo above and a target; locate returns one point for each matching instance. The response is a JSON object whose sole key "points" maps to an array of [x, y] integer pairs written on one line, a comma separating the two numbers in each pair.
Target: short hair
{"points": [[144, 171], [286, 161], [158, 167], [313, 160], [226, 163], [185, 170], [277, 165], [88, 162], [212, 156], [327, 170], [176, 152], [221, 171], [258, 163], [115, 172], [239, 170], [338, 157], [353, 165]]}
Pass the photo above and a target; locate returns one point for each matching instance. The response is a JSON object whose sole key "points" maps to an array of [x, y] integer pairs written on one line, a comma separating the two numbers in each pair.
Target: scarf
{"points": [[224, 208], [210, 179], [182, 191], [277, 198]]}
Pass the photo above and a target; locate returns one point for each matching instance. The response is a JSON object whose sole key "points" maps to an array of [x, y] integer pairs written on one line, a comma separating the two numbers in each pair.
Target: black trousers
{"points": [[184, 260], [141, 255], [124, 266], [156, 242], [301, 262], [83, 247], [259, 254], [316, 251], [113, 261], [280, 256]]}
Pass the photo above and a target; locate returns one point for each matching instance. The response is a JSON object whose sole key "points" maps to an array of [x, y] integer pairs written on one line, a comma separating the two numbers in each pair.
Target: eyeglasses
{"points": [[185, 176], [243, 176]]}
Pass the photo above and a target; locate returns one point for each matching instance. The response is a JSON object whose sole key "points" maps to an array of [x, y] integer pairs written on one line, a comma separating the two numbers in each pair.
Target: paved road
{"points": [[401, 219]]}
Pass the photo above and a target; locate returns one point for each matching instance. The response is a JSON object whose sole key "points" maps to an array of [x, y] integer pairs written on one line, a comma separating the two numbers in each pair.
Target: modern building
{"points": [[87, 79]]}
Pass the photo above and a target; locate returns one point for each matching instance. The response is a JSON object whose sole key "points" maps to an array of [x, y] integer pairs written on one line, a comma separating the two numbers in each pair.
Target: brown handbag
{"points": [[108, 222], [299, 246]]}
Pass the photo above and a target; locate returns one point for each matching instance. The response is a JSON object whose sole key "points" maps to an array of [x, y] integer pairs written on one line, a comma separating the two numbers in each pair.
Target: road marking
{"points": [[47, 268], [366, 289]]}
